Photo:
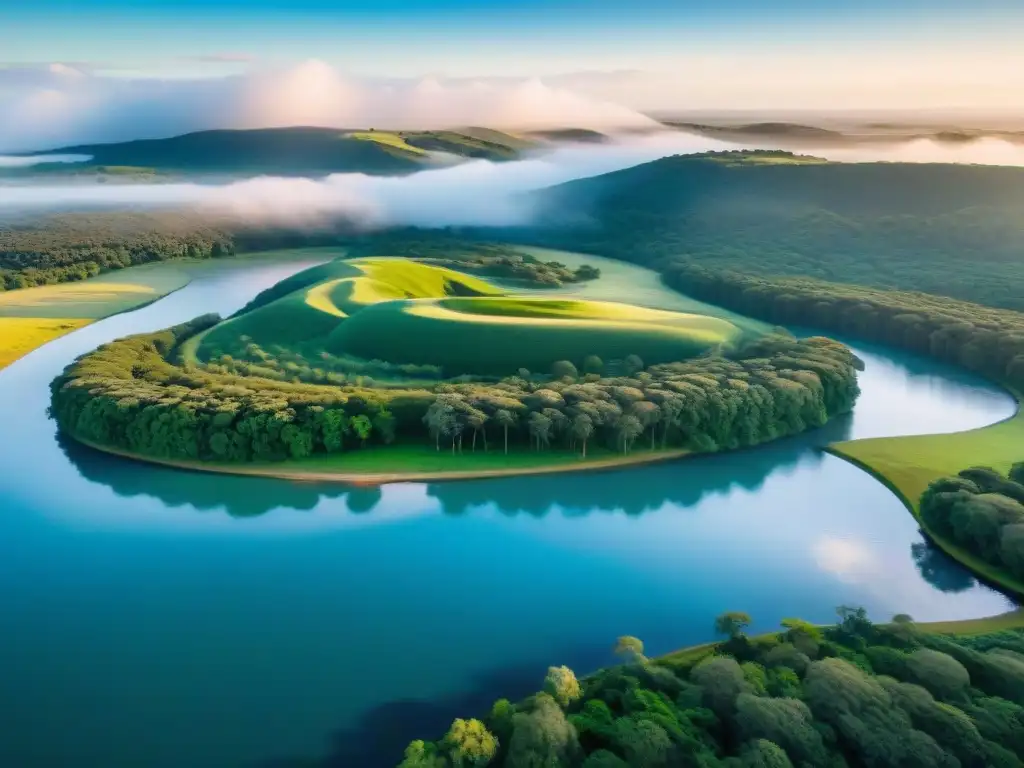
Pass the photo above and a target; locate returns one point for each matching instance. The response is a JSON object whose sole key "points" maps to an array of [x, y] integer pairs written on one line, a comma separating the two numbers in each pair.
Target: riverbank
{"points": [[381, 465], [963, 627], [907, 465]]}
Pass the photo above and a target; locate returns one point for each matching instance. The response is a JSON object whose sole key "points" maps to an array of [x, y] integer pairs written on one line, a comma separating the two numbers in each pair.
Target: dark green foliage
{"points": [[765, 754], [884, 225], [838, 716], [980, 511], [133, 395], [989, 341], [72, 247]]}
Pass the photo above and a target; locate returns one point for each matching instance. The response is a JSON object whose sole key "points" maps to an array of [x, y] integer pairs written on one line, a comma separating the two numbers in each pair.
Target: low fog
{"points": [[8, 161], [477, 192], [57, 106]]}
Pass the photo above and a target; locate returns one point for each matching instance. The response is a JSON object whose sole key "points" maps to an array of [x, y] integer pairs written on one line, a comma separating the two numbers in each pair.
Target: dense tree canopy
{"points": [[868, 696], [989, 341], [981, 511], [902, 226], [135, 394]]}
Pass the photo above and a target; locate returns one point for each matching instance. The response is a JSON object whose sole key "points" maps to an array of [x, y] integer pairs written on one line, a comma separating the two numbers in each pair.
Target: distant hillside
{"points": [[581, 135], [792, 131], [291, 151], [948, 229]]}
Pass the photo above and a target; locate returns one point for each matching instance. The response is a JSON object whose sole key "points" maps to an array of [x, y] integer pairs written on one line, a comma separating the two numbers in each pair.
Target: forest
{"points": [[65, 248], [982, 511], [983, 339], [135, 394], [899, 226], [849, 695]]}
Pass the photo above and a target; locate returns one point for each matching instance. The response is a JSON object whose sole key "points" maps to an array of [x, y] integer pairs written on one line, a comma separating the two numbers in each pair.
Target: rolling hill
{"points": [[408, 314], [953, 230], [288, 151]]}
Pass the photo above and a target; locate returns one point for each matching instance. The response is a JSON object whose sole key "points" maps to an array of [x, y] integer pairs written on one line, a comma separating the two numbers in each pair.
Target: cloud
{"points": [[27, 161], [62, 106], [474, 193]]}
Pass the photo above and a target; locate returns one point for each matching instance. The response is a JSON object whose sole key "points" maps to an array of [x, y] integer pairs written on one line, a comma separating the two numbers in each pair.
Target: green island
{"points": [[287, 386], [854, 693]]}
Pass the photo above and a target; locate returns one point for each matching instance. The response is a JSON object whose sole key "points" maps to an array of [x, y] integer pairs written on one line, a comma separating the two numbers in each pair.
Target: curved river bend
{"points": [[167, 619]]}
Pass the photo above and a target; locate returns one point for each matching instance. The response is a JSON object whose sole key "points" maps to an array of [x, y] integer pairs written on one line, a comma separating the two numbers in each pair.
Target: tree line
{"points": [[851, 695], [136, 394], [983, 512], [885, 225], [983, 339]]}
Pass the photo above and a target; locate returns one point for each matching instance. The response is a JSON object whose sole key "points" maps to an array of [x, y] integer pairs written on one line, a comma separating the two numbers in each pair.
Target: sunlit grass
{"points": [[20, 335]]}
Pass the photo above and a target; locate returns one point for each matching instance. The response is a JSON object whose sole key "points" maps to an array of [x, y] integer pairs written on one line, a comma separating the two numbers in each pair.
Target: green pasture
{"points": [[512, 333], [406, 312]]}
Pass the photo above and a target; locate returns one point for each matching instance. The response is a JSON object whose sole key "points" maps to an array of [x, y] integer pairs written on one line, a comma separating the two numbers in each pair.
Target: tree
{"points": [[764, 754], [476, 419], [562, 685], [582, 429], [593, 364], [384, 424], [786, 722], [722, 680], [732, 624], [542, 737], [629, 429], [362, 427], [564, 369], [470, 744], [633, 364], [440, 418], [539, 426], [940, 673], [420, 754], [629, 648], [504, 419], [1017, 472]]}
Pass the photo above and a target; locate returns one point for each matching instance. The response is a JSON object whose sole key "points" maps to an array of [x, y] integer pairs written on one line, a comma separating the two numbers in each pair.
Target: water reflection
{"points": [[939, 569], [632, 491]]}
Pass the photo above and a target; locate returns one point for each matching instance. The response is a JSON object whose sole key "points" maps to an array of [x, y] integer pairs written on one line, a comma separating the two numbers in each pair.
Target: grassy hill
{"points": [[294, 151], [422, 318], [945, 229]]}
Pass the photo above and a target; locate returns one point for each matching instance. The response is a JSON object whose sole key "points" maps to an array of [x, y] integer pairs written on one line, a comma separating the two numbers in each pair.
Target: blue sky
{"points": [[474, 37]]}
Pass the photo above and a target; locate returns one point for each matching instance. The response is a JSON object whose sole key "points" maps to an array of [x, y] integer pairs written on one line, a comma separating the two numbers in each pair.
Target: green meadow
{"points": [[408, 313]]}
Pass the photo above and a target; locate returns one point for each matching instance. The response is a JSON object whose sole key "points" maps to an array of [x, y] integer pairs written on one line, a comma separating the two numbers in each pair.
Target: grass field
{"points": [[31, 317], [20, 335], [390, 141], [911, 463], [908, 464], [405, 312], [97, 297], [522, 333]]}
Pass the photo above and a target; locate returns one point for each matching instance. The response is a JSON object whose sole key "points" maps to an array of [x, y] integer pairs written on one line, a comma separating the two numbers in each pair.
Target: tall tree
{"points": [[505, 419], [582, 429]]}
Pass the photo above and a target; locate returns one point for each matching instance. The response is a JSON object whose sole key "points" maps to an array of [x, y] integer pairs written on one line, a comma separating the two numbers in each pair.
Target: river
{"points": [[164, 619]]}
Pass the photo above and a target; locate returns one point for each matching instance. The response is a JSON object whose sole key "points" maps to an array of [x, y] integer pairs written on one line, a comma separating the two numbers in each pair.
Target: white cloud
{"points": [[477, 192], [61, 105], [26, 161]]}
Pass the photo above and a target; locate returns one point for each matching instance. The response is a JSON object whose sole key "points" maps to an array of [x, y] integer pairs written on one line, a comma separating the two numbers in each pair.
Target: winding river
{"points": [[166, 619]]}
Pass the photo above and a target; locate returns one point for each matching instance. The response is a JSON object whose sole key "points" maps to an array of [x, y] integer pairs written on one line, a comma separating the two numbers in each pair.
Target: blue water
{"points": [[165, 619]]}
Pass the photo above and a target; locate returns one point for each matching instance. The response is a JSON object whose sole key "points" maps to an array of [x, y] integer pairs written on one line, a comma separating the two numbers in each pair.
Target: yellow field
{"points": [[20, 335], [387, 140], [85, 299]]}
